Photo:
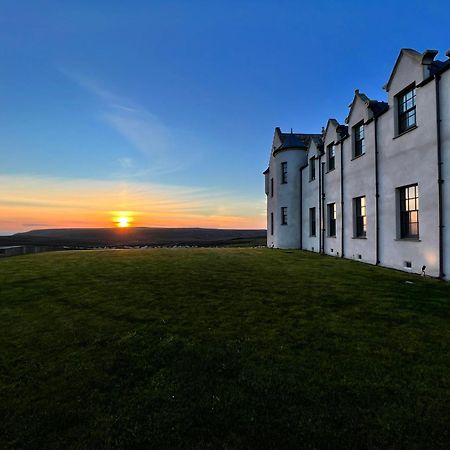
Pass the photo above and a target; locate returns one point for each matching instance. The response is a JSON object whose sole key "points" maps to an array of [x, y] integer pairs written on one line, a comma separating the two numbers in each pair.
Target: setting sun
{"points": [[123, 222], [122, 219]]}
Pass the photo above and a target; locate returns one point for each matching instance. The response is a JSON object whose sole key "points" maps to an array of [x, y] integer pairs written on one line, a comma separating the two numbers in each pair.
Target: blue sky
{"points": [[182, 96]]}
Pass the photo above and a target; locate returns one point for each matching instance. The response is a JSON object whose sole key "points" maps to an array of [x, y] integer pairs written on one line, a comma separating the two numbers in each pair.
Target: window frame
{"points": [[405, 212], [400, 101], [331, 158], [271, 187], [284, 215], [331, 221], [360, 217], [284, 172], [271, 223], [359, 145]]}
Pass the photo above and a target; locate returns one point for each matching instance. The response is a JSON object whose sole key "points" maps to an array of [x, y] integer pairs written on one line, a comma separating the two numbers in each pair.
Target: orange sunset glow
{"points": [[28, 202]]}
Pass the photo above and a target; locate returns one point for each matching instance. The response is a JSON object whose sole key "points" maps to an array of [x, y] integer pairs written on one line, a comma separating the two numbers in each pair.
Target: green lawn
{"points": [[220, 348]]}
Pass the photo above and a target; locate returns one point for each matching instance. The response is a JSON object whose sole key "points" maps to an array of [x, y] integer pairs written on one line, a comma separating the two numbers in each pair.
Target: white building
{"points": [[373, 189]]}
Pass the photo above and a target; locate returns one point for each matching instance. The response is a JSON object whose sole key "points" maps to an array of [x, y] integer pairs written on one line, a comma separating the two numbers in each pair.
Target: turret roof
{"points": [[294, 140]]}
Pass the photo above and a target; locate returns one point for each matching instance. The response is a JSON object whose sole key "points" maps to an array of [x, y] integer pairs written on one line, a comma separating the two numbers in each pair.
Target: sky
{"points": [[164, 111]]}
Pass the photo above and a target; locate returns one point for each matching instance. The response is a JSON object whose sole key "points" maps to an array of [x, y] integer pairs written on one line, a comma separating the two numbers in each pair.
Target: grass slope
{"points": [[220, 348]]}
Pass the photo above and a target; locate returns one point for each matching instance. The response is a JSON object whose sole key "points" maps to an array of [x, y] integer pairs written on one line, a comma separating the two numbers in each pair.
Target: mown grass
{"points": [[220, 348]]}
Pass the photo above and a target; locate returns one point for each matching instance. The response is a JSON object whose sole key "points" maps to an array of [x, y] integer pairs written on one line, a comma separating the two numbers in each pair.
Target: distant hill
{"points": [[94, 237]]}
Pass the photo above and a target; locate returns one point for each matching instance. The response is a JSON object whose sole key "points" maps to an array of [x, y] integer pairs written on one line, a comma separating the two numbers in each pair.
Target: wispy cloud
{"points": [[141, 128]]}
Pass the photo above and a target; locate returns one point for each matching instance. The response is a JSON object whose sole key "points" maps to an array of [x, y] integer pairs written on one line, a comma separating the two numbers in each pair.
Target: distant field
{"points": [[220, 349], [136, 236]]}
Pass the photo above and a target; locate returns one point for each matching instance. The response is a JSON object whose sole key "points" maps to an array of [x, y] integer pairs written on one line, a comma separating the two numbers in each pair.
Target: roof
{"points": [[439, 67], [317, 139], [377, 107], [293, 140]]}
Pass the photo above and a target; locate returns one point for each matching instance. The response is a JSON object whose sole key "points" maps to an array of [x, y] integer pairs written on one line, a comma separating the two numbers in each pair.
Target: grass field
{"points": [[220, 349]]}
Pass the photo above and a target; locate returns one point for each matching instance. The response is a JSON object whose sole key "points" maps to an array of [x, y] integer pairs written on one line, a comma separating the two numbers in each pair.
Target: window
{"points": [[406, 110], [331, 219], [358, 134], [271, 223], [283, 215], [360, 222], [312, 221], [312, 169], [331, 153], [283, 172], [271, 187], [409, 211]]}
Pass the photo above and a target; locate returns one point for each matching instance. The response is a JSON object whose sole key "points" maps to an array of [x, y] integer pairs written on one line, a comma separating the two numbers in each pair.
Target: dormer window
{"points": [[406, 110], [331, 157], [358, 136]]}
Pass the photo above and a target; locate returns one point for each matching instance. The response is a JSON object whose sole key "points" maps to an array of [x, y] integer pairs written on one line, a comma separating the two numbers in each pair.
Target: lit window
{"points": [[331, 219], [284, 215], [409, 211], [358, 133], [360, 216], [407, 110]]}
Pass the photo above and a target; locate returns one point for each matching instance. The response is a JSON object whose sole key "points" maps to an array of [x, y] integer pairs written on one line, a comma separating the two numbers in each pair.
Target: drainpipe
{"points": [[322, 200], [301, 207], [377, 196], [342, 198], [440, 180], [320, 205]]}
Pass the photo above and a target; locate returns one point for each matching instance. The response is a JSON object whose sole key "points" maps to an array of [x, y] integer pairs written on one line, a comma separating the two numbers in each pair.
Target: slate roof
{"points": [[294, 140], [438, 67], [377, 107]]}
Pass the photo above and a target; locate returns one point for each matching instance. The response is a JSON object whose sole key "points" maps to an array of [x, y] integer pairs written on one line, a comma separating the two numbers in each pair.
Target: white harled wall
{"points": [[359, 180], [332, 190], [403, 159], [445, 142], [408, 159], [310, 199], [285, 195]]}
